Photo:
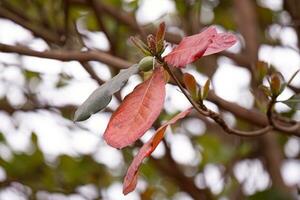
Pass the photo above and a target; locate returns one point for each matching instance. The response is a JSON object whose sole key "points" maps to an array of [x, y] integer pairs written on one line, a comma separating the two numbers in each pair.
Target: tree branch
{"points": [[36, 30], [98, 14], [91, 72], [249, 115], [81, 56], [213, 115]]}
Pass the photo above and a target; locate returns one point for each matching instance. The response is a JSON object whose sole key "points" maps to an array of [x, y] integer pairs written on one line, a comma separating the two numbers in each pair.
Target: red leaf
{"points": [[130, 179], [220, 42], [194, 47], [137, 112]]}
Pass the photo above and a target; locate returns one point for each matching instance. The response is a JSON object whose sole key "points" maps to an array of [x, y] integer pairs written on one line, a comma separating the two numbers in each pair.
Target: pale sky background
{"points": [[230, 82]]}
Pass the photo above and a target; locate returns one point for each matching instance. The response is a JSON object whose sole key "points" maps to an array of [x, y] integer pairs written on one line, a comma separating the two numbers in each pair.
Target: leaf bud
{"points": [[146, 64], [276, 82]]}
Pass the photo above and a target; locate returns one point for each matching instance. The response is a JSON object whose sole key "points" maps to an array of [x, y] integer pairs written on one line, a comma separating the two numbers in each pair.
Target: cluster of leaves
{"points": [[142, 106], [196, 92], [276, 85]]}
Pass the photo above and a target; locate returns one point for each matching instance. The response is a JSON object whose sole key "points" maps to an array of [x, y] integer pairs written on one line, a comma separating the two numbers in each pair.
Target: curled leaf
{"points": [[159, 37], [130, 179], [205, 89], [101, 97], [151, 43], [276, 82], [220, 42], [261, 70], [190, 84], [194, 47], [137, 112], [186, 53]]}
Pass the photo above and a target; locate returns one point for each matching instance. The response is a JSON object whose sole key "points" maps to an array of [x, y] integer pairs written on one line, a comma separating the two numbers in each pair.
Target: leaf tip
{"points": [[130, 183], [80, 116]]}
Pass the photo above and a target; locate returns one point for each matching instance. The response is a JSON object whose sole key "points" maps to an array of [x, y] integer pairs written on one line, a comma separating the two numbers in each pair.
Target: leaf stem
{"points": [[203, 110], [287, 129]]}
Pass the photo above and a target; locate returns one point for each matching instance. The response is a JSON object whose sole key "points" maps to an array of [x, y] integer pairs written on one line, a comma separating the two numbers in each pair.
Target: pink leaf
{"points": [[130, 179], [220, 42], [194, 47], [137, 112]]}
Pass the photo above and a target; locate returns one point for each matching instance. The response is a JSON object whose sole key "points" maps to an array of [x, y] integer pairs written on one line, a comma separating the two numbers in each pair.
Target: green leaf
{"points": [[272, 193], [293, 102], [101, 97], [261, 70], [2, 138], [31, 74], [140, 45], [91, 22], [205, 89]]}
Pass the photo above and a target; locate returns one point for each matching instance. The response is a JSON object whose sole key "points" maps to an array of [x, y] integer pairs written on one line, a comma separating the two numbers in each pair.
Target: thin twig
{"points": [[211, 114], [95, 5], [291, 129]]}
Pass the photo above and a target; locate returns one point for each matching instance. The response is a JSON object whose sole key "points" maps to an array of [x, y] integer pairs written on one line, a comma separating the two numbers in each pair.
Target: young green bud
{"points": [[146, 64], [205, 89]]}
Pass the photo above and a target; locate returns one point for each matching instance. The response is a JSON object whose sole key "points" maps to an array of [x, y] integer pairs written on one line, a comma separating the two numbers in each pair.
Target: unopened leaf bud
{"points": [[146, 64]]}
